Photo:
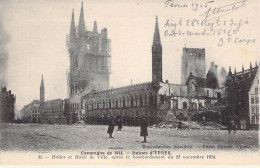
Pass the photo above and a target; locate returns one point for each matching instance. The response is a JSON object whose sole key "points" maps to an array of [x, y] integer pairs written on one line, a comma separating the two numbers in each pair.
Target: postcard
{"points": [[129, 83]]}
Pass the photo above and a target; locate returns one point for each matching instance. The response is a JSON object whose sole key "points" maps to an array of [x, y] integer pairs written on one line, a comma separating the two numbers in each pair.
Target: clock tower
{"points": [[156, 55]]}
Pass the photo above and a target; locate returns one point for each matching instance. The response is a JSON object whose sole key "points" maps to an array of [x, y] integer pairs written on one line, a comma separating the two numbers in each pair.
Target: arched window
{"points": [[113, 103], [141, 101], [116, 103], [136, 101], [132, 101], [109, 105], [103, 104], [123, 102], [145, 100], [151, 99]]}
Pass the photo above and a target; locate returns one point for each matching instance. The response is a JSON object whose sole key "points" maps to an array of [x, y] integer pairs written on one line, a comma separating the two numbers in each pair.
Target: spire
{"points": [[229, 72], [156, 55], [72, 26], [81, 21], [95, 27], [156, 37], [235, 71], [42, 83], [250, 65], [243, 68], [42, 91]]}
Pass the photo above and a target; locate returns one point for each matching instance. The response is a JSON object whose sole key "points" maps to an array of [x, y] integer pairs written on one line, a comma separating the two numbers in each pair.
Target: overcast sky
{"points": [[38, 29]]}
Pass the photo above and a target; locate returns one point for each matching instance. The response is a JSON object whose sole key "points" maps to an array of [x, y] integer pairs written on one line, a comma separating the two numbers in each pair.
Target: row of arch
{"points": [[140, 100]]}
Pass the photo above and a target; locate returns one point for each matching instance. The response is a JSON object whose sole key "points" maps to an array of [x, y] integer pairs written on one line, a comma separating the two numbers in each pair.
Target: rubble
{"points": [[79, 123], [188, 125]]}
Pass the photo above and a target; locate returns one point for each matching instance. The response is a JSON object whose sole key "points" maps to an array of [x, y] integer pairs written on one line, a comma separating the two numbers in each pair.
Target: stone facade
{"points": [[90, 63], [53, 112], [130, 103], [7, 101], [193, 61], [89, 53]]}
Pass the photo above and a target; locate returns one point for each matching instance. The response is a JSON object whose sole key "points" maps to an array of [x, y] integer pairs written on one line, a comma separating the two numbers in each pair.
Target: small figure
{"points": [[111, 126], [229, 127], [235, 128], [144, 131], [120, 124]]}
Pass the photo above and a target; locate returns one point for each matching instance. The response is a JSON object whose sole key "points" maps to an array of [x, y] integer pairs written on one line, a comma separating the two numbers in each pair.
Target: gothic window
{"points": [[257, 100], [109, 103], [103, 104], [132, 101], [256, 90], [151, 99], [116, 103], [119, 102], [123, 102], [141, 100], [135, 102], [145, 100], [257, 110]]}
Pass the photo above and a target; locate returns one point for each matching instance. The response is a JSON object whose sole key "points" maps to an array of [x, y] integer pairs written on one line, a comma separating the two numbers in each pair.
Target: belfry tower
{"points": [[42, 91], [89, 53], [156, 55]]}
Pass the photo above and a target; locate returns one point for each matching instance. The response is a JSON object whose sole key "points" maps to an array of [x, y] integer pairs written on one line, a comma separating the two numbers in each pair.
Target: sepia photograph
{"points": [[129, 83]]}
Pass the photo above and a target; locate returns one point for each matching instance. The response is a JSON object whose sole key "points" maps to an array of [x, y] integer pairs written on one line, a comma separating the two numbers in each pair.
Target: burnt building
{"points": [[7, 101], [129, 102], [90, 59]]}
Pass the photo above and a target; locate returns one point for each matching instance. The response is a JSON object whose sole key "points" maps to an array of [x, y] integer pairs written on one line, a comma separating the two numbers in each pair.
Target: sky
{"points": [[37, 40]]}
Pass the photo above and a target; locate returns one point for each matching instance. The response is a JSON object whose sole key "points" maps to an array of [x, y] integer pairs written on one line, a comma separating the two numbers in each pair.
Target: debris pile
{"points": [[188, 125], [79, 123]]}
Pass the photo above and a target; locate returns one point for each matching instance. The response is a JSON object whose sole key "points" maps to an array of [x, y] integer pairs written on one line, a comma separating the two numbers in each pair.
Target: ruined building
{"points": [[89, 53], [7, 101], [129, 102], [193, 61]]}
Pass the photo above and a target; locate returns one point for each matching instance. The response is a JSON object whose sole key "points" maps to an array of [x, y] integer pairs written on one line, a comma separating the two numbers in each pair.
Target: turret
{"points": [[229, 71], [72, 27], [81, 25], [95, 27]]}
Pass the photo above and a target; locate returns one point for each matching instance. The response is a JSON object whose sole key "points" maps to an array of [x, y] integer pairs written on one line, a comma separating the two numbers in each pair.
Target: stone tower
{"points": [[193, 61], [156, 55], [90, 57], [42, 91]]}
